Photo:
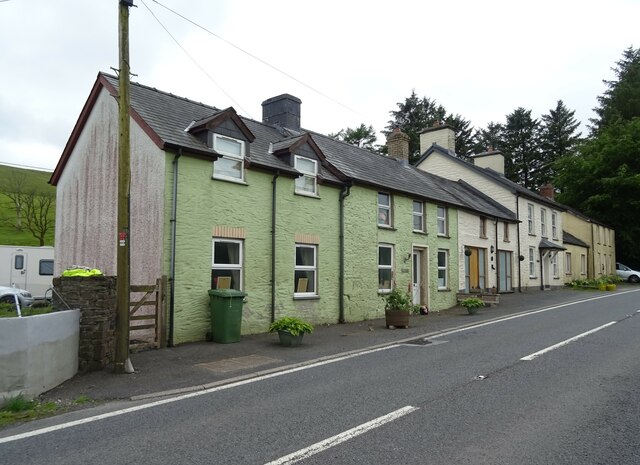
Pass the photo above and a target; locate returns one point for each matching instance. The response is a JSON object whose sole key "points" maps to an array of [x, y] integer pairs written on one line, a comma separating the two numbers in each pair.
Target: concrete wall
{"points": [[37, 353]]}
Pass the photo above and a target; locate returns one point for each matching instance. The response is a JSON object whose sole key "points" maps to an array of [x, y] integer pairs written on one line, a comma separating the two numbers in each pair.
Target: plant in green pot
{"points": [[290, 330], [472, 304], [397, 308]]}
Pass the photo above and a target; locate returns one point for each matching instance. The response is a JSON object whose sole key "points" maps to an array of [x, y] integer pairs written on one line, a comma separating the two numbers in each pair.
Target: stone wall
{"points": [[96, 299]]}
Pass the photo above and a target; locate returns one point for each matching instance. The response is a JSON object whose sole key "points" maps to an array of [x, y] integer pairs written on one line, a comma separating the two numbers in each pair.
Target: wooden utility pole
{"points": [[122, 364]]}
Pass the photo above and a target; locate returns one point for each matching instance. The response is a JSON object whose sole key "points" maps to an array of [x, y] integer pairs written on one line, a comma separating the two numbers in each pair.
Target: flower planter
{"points": [[289, 340], [397, 319]]}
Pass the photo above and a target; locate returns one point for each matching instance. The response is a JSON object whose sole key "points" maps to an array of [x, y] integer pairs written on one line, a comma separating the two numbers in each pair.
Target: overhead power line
{"points": [[194, 60], [256, 57]]}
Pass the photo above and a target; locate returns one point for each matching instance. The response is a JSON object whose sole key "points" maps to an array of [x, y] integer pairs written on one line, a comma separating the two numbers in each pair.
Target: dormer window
{"points": [[307, 184], [231, 165]]}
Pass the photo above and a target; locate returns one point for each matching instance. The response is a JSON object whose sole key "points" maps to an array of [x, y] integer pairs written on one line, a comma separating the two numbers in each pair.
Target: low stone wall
{"points": [[38, 352], [96, 299]]}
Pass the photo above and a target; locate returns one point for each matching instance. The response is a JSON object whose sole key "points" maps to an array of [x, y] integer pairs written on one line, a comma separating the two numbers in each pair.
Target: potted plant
{"points": [[290, 330], [472, 304], [397, 308]]}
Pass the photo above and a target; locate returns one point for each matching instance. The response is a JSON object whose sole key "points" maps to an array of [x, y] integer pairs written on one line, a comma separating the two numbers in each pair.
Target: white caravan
{"points": [[29, 268]]}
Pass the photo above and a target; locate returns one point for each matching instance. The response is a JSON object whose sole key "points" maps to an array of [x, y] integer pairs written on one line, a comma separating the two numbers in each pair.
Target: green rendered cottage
{"points": [[304, 224]]}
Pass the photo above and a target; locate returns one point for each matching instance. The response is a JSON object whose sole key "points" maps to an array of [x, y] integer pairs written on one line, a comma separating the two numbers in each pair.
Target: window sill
{"points": [[532, 235], [390, 228], [234, 181], [307, 194], [384, 291], [444, 236], [306, 297], [444, 289], [420, 233], [533, 277]]}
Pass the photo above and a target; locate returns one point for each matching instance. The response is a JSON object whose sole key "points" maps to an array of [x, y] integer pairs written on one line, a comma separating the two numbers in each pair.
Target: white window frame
{"points": [[483, 227], [418, 216], [306, 268], [543, 222], [384, 207], [583, 264], [443, 268], [505, 237], [567, 262], [228, 156], [532, 262], [554, 225], [306, 175], [531, 218], [385, 267], [229, 266], [441, 220]]}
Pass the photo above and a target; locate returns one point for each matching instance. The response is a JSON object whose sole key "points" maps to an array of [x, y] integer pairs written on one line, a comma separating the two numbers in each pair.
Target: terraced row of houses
{"points": [[304, 224]]}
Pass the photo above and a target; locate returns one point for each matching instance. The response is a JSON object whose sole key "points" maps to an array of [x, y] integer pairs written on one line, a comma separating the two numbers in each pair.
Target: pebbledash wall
{"points": [[362, 299], [38, 352], [209, 208]]}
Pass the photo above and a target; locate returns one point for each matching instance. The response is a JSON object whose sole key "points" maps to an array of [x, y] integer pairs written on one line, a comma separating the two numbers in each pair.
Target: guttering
{"points": [[273, 245], [172, 266], [344, 193]]}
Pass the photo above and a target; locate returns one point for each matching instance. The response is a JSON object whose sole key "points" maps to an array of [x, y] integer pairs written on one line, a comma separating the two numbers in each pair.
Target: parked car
{"points": [[627, 273], [7, 296]]}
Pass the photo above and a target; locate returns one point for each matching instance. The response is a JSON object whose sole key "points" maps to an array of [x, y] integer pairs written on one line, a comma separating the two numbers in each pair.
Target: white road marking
{"points": [[342, 437], [568, 341], [202, 392]]}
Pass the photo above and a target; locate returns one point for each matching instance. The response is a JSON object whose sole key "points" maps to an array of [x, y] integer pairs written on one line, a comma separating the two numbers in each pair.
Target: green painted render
{"points": [[362, 236], [205, 203]]}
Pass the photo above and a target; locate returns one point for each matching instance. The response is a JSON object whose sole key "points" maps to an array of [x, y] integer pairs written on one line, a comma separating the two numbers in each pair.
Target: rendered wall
{"points": [[362, 299], [206, 205], [38, 352], [86, 199]]}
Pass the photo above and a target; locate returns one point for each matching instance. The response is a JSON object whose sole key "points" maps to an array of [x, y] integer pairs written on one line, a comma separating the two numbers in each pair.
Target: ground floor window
{"points": [[554, 264], [567, 262], [443, 272], [226, 267], [306, 270], [385, 267], [532, 262], [583, 264]]}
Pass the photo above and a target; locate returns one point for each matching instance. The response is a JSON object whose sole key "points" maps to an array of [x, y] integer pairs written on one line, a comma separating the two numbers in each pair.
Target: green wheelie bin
{"points": [[226, 314]]}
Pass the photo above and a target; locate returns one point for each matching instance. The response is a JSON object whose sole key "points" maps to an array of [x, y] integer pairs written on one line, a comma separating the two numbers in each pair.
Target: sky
{"points": [[350, 62]]}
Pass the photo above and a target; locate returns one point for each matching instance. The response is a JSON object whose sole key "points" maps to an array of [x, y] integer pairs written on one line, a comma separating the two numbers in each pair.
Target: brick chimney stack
{"points": [[398, 145], [441, 134], [547, 191]]}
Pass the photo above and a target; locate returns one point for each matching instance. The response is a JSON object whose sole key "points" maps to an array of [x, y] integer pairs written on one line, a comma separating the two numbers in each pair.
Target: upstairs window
{"points": [[384, 209], [530, 218], [307, 184], [543, 222], [231, 166], [441, 215], [554, 225], [483, 227], [418, 216]]}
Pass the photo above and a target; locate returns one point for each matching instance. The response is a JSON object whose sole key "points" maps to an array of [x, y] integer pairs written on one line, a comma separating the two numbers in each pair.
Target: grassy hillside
{"points": [[31, 180]]}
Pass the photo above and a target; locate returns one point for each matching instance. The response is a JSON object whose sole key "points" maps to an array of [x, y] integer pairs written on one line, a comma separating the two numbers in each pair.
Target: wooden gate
{"points": [[147, 315]]}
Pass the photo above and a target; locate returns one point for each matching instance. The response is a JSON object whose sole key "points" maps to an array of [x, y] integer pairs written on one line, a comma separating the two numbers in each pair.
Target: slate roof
{"points": [[169, 116], [568, 238], [494, 176]]}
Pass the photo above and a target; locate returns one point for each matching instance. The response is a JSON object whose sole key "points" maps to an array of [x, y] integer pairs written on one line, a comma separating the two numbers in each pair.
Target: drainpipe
{"points": [[496, 259], [344, 193], [518, 236], [172, 266], [273, 245]]}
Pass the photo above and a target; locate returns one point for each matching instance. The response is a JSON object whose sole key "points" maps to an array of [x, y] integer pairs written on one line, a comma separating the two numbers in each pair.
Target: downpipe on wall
{"points": [[172, 266]]}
